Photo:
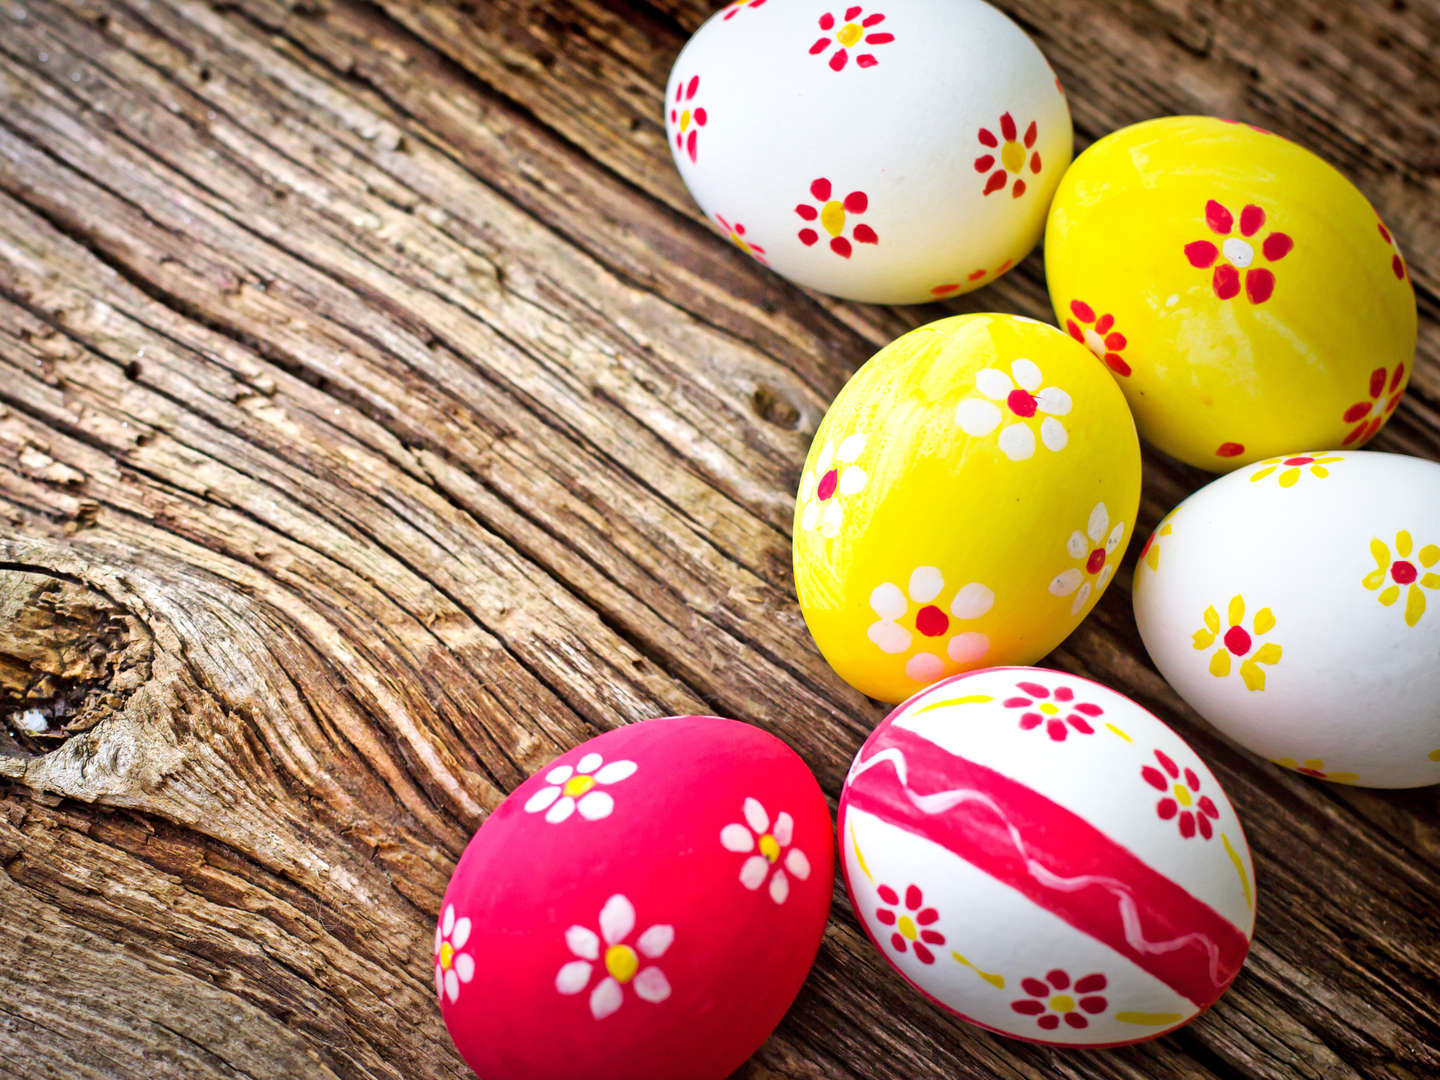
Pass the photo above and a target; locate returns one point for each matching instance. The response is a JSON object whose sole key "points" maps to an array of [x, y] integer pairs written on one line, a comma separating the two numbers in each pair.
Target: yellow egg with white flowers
{"points": [[966, 500], [1244, 294]]}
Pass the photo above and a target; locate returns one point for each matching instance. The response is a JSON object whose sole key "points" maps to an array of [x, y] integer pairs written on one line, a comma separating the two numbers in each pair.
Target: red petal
{"points": [[1034, 987], [827, 21], [701, 116], [808, 236], [1251, 218], [840, 246], [851, 12], [821, 44], [1218, 218], [1168, 764], [987, 138], [1035, 690], [1397, 377], [837, 61], [1055, 729], [1202, 254], [1075, 331], [806, 211], [1187, 824], [1016, 702], [820, 189], [1116, 363], [1384, 232], [1397, 267], [1083, 311], [1230, 449], [1192, 779], [897, 941], [856, 202], [865, 235], [1049, 1021], [913, 896], [996, 181], [1205, 828], [1075, 1020], [1377, 382], [1226, 281], [1277, 245], [1166, 808], [1357, 411], [1089, 709], [923, 954], [932, 937], [1106, 321], [1353, 435], [1027, 1007], [1064, 693], [1115, 341], [1035, 162], [866, 60], [1151, 776], [1030, 720], [694, 85], [1093, 1005], [1007, 126], [1080, 725], [1259, 284], [1090, 983], [1058, 979], [881, 38], [975, 275], [873, 20], [928, 916], [1018, 189], [889, 895], [690, 145], [1030, 135], [984, 163], [885, 915], [1207, 807]]}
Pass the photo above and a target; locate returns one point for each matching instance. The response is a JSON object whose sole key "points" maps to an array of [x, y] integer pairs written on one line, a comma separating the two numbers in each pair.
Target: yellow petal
{"points": [[1204, 639], [1269, 653], [1342, 777], [1403, 544], [1289, 476], [1434, 755], [1380, 553], [1327, 460], [1220, 664], [1262, 474], [1253, 675], [1320, 471], [1212, 619], [1315, 763], [1414, 605], [1431, 581], [1264, 621], [1152, 557], [1288, 762], [1428, 554], [1390, 595], [1237, 609], [1375, 578]]}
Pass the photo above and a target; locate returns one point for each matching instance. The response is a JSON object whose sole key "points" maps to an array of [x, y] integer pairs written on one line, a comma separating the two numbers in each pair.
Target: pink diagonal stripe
{"points": [[1054, 857]]}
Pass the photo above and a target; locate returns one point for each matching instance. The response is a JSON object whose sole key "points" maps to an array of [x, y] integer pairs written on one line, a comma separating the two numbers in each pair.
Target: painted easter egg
{"points": [[643, 908], [1044, 858], [965, 503], [896, 152], [1295, 604], [1243, 293]]}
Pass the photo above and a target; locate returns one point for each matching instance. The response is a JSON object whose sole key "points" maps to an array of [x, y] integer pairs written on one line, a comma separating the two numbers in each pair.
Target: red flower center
{"points": [[931, 621], [1403, 572], [1021, 402], [1237, 640], [1299, 460], [827, 485], [1312, 772], [1095, 561]]}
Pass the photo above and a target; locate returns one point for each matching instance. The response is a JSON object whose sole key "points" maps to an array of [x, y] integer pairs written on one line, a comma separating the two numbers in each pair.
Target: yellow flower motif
{"points": [[1291, 468], [1238, 642], [1392, 577], [1434, 755], [1315, 767], [1151, 551]]}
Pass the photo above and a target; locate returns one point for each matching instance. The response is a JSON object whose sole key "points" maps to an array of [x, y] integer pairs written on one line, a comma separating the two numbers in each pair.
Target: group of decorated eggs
{"points": [[1031, 850]]}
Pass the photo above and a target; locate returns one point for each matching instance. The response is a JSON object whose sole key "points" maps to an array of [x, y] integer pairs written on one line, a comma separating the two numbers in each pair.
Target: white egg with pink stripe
{"points": [[1046, 859]]}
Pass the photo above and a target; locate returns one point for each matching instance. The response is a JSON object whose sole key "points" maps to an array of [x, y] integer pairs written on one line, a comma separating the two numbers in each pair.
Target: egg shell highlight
{"points": [[1295, 604], [966, 501], [1045, 858], [1244, 294], [646, 907], [896, 153]]}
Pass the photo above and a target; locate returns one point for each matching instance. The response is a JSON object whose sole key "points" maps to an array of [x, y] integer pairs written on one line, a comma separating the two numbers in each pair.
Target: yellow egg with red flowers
{"points": [[1244, 294], [965, 502]]}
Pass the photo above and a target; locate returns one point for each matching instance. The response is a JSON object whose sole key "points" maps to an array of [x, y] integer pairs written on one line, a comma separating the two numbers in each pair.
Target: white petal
{"points": [[784, 830], [541, 799], [1077, 545], [1054, 401], [1080, 598], [890, 637], [977, 417], [736, 837], [461, 934], [1018, 442], [438, 938], [972, 601], [615, 772], [559, 774], [1053, 434], [439, 980], [1116, 535], [755, 815], [968, 647], [1066, 583], [605, 998], [832, 518], [583, 942], [448, 923], [651, 985], [595, 805], [810, 516], [1104, 577], [753, 872], [824, 460], [452, 985], [560, 811], [1099, 522], [852, 447], [1027, 374], [797, 864], [993, 383], [925, 584], [888, 601], [573, 977], [589, 763], [924, 667], [779, 887], [656, 940], [852, 480], [617, 919], [465, 967]]}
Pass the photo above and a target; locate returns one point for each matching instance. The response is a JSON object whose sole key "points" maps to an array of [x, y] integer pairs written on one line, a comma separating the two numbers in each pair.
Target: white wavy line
{"points": [[941, 801]]}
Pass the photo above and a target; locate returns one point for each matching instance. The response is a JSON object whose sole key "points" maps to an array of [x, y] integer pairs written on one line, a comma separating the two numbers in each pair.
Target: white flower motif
{"points": [[1093, 549], [1021, 398], [822, 489], [574, 789], [931, 622], [767, 862], [452, 967], [621, 962]]}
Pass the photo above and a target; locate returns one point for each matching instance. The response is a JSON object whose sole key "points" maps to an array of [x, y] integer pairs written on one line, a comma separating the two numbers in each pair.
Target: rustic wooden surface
{"points": [[379, 418]]}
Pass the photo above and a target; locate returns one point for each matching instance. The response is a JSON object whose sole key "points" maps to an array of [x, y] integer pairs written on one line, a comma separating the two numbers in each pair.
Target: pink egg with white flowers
{"points": [[646, 906]]}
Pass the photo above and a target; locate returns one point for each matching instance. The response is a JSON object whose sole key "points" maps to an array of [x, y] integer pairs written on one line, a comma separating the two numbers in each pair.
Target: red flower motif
{"points": [[853, 30], [1043, 711], [1229, 449], [687, 119], [1180, 796], [736, 233], [1370, 415], [1236, 253], [1054, 999], [912, 924], [834, 217], [1008, 157], [952, 287], [736, 5], [1397, 264], [1241, 123], [1101, 338]]}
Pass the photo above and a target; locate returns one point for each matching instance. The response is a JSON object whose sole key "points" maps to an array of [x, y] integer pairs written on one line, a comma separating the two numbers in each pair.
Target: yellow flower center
{"points": [[906, 926], [1182, 794], [739, 242], [849, 34], [1012, 155], [832, 216], [769, 847], [621, 962], [447, 955], [1062, 1003], [578, 785], [684, 120], [1049, 709]]}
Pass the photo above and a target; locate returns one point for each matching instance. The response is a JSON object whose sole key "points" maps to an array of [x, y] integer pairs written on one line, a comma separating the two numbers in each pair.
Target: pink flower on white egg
{"points": [[570, 789], [1094, 548], [619, 961], [855, 29], [452, 966], [896, 630], [1016, 403], [770, 859]]}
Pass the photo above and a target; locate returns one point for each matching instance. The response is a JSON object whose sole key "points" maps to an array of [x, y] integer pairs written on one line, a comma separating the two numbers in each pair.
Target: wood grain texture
{"points": [[379, 418]]}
